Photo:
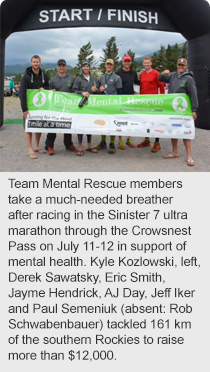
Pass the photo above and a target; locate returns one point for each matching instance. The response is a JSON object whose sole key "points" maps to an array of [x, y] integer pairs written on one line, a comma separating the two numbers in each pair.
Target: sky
{"points": [[65, 43]]}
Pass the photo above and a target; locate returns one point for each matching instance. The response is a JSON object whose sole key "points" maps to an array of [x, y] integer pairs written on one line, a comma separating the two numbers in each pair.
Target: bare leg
{"points": [[80, 148], [28, 137], [174, 142], [37, 139], [89, 137], [187, 144], [174, 154]]}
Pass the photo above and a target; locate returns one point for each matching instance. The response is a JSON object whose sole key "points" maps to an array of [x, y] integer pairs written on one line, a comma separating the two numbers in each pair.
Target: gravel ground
{"points": [[13, 153]]}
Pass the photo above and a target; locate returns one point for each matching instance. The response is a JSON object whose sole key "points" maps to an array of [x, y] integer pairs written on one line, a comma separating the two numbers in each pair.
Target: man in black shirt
{"points": [[34, 78], [129, 78]]}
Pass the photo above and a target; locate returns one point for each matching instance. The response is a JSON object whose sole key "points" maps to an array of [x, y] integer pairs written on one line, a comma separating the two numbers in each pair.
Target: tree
{"points": [[51, 72], [86, 54], [159, 60], [162, 59], [18, 78], [175, 56], [111, 51], [155, 60], [169, 58], [184, 50]]}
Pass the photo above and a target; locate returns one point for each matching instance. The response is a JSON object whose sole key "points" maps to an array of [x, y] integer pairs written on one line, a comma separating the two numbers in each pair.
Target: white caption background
{"points": [[143, 293]]}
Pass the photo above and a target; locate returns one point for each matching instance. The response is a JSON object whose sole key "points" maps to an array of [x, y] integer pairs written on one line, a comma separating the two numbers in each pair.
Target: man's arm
{"points": [[165, 76], [192, 91], [160, 85], [136, 81], [51, 85], [119, 85], [72, 84], [77, 86], [46, 82]]}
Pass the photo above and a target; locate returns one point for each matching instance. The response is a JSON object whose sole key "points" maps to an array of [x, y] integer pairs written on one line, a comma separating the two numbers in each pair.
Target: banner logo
{"points": [[119, 123], [180, 104], [39, 99], [100, 122]]}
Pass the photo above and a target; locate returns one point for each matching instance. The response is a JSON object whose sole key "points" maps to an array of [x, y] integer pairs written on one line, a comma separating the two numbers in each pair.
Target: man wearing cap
{"points": [[149, 84], [109, 83], [62, 82], [85, 84], [181, 81], [129, 78]]}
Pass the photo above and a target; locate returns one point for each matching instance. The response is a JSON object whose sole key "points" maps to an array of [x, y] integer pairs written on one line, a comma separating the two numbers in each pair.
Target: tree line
{"points": [[165, 58]]}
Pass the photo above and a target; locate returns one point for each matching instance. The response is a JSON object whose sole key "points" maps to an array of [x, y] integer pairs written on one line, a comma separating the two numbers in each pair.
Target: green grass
{"points": [[13, 121]]}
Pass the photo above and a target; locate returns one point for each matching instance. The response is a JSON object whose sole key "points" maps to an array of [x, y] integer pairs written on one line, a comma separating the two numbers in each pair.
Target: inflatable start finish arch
{"points": [[191, 18]]}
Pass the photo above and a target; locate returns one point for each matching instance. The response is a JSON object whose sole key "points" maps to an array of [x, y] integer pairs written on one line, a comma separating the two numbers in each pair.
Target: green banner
{"points": [[159, 104], [160, 115]]}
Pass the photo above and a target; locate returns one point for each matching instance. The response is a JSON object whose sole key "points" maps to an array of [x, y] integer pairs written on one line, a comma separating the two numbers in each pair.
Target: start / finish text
{"points": [[88, 14]]}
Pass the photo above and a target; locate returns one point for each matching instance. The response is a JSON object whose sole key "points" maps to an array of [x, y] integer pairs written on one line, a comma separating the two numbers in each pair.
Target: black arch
{"points": [[191, 18]]}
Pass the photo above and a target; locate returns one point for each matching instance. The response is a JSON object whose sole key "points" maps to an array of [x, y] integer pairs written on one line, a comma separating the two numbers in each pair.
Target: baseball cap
{"points": [[109, 60], [182, 61], [61, 62], [85, 63], [126, 58]]}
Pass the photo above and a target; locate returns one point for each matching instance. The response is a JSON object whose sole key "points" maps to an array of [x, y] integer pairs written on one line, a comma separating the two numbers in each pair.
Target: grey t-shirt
{"points": [[112, 82]]}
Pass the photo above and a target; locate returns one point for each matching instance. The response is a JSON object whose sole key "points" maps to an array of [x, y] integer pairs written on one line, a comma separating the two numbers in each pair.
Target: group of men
{"points": [[110, 83]]}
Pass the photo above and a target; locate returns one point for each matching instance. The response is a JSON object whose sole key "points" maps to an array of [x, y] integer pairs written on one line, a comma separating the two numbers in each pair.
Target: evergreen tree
{"points": [[51, 72], [86, 54], [184, 51], [111, 51], [162, 59], [159, 61], [169, 58], [174, 57], [155, 61], [18, 78]]}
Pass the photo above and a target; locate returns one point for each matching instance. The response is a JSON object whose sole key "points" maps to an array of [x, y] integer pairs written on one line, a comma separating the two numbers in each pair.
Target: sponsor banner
{"points": [[162, 115], [133, 17]]}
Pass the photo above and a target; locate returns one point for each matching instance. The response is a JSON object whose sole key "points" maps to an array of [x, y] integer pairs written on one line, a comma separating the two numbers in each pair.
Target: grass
{"points": [[13, 121]]}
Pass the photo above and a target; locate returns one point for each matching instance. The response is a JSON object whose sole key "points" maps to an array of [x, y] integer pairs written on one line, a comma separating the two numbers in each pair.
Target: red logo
{"points": [[159, 131]]}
